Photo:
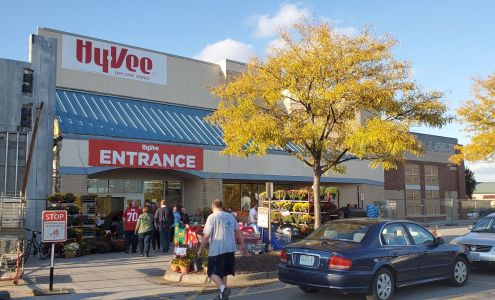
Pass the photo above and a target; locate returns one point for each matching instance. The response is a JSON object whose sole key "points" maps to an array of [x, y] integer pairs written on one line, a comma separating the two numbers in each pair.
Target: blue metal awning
{"points": [[99, 115]]}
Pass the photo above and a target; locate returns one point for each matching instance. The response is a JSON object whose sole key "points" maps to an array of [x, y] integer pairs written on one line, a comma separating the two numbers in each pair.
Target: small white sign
{"points": [[54, 226], [180, 251], [263, 217]]}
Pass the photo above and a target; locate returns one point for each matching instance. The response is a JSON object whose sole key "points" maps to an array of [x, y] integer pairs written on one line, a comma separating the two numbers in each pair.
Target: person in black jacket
{"points": [[164, 220]]}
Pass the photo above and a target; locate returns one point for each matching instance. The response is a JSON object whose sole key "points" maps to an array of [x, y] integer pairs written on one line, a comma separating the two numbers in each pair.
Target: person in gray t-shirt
{"points": [[221, 231]]}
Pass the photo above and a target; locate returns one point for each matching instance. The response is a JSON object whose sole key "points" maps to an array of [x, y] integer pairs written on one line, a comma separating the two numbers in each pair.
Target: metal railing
{"points": [[12, 215]]}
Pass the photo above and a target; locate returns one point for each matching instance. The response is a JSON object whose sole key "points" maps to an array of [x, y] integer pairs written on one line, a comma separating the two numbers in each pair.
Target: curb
{"points": [[202, 279]]}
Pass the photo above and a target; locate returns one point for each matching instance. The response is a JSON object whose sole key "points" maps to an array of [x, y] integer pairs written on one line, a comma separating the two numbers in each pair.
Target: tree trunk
{"points": [[316, 199]]}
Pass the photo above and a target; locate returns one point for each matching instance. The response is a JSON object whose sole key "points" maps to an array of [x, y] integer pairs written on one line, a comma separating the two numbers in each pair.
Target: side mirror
{"points": [[440, 240], [470, 227]]}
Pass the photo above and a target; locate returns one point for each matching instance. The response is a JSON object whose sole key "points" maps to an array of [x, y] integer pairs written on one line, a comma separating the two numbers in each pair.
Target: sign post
{"points": [[269, 194], [54, 229]]}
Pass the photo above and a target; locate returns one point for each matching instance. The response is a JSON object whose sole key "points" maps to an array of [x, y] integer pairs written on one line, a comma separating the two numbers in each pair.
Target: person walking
{"points": [[144, 230], [164, 219], [176, 215], [155, 237], [220, 232], [130, 218]]}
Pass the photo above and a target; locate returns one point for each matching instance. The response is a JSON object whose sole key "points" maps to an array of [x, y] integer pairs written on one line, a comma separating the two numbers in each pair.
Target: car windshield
{"points": [[485, 225], [341, 231]]}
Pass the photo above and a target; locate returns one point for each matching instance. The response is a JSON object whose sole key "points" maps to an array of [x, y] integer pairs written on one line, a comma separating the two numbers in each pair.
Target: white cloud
{"points": [[275, 44], [287, 15], [483, 172], [226, 49], [351, 31]]}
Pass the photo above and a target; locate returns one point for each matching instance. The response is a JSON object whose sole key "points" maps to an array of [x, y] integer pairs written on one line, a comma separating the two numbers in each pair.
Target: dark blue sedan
{"points": [[371, 256]]}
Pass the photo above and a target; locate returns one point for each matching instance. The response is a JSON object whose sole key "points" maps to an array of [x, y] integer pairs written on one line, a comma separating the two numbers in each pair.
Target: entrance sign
{"points": [[54, 226], [263, 217], [88, 55], [144, 155]]}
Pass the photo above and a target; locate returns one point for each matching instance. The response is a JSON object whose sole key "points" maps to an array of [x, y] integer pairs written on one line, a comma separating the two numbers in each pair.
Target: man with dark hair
{"points": [[221, 231], [164, 220]]}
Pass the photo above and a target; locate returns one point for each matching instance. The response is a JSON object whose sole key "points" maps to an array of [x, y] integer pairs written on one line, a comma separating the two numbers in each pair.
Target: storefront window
{"points": [[232, 196], [153, 190], [102, 186], [249, 193], [133, 186], [92, 186], [173, 192], [116, 186]]}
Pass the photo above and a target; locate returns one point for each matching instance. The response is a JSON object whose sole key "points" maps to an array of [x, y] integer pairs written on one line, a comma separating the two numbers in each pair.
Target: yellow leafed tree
{"points": [[326, 98], [478, 117]]}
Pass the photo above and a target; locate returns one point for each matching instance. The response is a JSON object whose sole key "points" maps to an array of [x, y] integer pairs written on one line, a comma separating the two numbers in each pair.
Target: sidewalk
{"points": [[99, 276]]}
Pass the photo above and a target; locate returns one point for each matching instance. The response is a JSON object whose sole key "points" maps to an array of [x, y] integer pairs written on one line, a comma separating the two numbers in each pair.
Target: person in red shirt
{"points": [[130, 218]]}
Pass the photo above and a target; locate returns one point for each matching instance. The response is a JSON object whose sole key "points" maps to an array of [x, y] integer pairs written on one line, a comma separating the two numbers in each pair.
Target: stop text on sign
{"points": [[55, 216], [144, 155]]}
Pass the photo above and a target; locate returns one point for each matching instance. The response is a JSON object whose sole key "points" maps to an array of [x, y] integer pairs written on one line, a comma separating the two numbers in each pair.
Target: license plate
{"points": [[306, 260], [474, 256]]}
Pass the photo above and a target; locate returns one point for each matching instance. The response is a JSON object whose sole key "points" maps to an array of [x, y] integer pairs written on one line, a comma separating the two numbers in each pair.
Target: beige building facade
{"points": [[131, 119]]}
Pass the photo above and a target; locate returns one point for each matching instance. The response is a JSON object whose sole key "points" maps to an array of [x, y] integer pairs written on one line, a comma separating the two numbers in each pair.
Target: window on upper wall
{"points": [[26, 115], [431, 175], [412, 174]]}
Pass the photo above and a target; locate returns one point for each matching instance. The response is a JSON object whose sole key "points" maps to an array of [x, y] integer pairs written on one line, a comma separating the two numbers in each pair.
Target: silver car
{"points": [[481, 241]]}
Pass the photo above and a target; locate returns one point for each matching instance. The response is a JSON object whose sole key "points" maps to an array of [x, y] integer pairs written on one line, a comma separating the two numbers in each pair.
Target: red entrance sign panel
{"points": [[54, 226], [144, 155]]}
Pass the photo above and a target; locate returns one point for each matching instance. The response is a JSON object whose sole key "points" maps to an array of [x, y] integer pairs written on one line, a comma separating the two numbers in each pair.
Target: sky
{"points": [[447, 42]]}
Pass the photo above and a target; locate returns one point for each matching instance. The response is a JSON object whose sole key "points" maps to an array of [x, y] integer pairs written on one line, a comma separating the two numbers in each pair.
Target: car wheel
{"points": [[460, 272], [382, 286], [308, 289]]}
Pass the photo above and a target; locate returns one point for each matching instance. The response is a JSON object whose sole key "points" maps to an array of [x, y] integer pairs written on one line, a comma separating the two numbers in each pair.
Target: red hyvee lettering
{"points": [[113, 58]]}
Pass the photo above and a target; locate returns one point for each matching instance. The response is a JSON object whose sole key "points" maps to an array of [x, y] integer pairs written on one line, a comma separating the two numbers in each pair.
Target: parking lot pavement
{"points": [[481, 285]]}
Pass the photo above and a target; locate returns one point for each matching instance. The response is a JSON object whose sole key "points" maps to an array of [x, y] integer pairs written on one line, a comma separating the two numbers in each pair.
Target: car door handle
{"points": [[427, 251]]}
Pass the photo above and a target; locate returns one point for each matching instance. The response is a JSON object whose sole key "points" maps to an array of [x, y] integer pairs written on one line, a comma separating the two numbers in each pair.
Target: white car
{"points": [[481, 241], [473, 214]]}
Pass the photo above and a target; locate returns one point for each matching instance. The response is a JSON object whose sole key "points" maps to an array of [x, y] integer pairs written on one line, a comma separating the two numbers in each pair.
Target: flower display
{"points": [[72, 247]]}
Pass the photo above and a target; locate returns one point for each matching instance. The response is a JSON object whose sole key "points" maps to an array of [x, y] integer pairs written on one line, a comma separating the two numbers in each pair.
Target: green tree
{"points": [[334, 97], [470, 182]]}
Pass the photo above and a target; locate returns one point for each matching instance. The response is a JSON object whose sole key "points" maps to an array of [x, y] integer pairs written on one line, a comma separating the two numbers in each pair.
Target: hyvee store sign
{"points": [[89, 55], [139, 155]]}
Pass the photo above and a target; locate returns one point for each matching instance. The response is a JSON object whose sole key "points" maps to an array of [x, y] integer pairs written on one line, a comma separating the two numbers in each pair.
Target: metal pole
{"points": [[6, 163], [52, 267], [31, 148], [16, 164]]}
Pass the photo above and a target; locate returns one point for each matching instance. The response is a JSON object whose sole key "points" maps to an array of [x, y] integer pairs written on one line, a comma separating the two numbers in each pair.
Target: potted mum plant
{"points": [[70, 250], [174, 265], [184, 264]]}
